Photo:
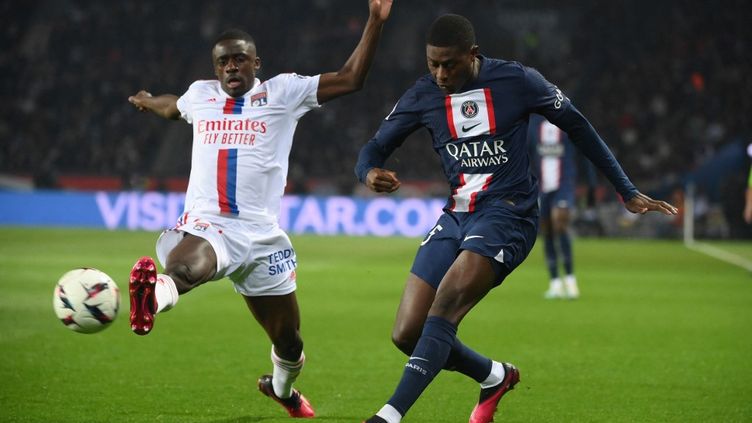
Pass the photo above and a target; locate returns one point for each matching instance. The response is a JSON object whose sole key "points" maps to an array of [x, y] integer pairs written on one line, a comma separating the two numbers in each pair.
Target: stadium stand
{"points": [[666, 84]]}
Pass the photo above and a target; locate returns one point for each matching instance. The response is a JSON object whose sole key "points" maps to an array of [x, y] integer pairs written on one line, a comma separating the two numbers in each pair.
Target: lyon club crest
{"points": [[258, 100], [469, 109]]}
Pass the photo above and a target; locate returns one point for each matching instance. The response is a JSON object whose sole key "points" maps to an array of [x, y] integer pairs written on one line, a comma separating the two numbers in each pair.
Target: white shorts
{"points": [[257, 257]]}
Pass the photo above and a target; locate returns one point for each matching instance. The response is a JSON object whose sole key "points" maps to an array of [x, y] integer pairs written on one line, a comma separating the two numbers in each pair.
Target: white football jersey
{"points": [[241, 146]]}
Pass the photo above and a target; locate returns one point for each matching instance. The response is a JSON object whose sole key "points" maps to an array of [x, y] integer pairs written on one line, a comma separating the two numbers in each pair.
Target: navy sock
{"points": [[468, 362], [429, 356], [551, 260], [566, 251]]}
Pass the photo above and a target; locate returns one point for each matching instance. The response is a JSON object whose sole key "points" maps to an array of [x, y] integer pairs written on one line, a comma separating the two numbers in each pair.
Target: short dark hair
{"points": [[451, 31], [234, 34]]}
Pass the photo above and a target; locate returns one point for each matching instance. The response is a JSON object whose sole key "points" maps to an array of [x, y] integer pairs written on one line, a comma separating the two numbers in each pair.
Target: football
{"points": [[86, 300]]}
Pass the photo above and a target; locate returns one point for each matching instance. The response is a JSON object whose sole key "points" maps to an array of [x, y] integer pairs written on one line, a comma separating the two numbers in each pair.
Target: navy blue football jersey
{"points": [[554, 155], [480, 133]]}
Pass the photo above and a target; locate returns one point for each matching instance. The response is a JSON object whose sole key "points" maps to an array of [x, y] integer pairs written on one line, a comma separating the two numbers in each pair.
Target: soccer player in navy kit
{"points": [[557, 175], [476, 109]]}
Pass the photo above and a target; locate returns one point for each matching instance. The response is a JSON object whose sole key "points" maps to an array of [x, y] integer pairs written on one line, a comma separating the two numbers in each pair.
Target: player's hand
{"points": [[379, 9], [138, 100], [382, 180], [642, 204]]}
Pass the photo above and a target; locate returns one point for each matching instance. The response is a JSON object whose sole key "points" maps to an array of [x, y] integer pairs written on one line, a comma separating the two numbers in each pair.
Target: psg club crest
{"points": [[258, 100], [469, 109]]}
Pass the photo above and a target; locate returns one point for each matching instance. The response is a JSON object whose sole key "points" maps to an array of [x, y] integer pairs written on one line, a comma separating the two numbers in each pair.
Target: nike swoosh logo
{"points": [[418, 358], [469, 127], [473, 236]]}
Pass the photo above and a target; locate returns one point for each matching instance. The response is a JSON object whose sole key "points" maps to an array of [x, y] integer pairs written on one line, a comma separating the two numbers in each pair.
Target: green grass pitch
{"points": [[661, 334]]}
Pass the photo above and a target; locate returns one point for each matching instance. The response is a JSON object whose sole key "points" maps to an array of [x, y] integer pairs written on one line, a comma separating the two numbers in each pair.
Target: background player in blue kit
{"points": [[557, 175], [476, 109]]}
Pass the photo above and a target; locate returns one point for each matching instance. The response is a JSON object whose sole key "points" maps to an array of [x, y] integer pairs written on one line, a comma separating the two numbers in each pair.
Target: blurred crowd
{"points": [[665, 83]]}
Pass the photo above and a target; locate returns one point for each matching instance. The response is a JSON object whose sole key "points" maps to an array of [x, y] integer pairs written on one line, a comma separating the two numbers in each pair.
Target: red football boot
{"points": [[297, 405], [490, 397], [143, 301]]}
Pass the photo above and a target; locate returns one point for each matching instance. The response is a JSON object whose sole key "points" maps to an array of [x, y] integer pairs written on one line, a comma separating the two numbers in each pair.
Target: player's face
{"points": [[451, 67], [235, 65]]}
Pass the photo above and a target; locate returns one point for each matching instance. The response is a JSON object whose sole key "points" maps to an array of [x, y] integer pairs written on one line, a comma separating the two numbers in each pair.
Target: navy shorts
{"points": [[561, 198], [498, 233]]}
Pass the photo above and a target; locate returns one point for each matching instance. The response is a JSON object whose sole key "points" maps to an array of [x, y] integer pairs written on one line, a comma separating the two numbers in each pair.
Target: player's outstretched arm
{"points": [[382, 180], [353, 73], [162, 105], [642, 204]]}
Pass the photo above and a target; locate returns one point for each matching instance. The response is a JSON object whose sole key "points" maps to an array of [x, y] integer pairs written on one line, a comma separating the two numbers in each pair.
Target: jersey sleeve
{"points": [[185, 103], [546, 99], [398, 124], [542, 96], [300, 92]]}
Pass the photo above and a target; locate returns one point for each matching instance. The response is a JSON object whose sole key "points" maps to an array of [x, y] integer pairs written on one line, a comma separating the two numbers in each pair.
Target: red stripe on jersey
{"points": [[490, 108], [224, 205], [183, 219], [450, 117], [473, 196], [229, 106], [454, 191]]}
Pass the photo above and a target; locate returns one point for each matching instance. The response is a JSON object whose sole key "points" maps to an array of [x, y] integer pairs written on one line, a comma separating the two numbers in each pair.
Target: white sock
{"points": [[390, 414], [166, 293], [495, 377], [284, 374]]}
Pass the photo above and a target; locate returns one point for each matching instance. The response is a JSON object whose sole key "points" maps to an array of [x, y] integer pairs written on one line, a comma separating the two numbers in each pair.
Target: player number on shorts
{"points": [[433, 231]]}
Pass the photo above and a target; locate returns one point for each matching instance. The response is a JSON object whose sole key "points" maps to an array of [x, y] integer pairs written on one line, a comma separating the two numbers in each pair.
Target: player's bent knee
{"points": [[452, 307], [406, 333], [404, 342], [184, 278]]}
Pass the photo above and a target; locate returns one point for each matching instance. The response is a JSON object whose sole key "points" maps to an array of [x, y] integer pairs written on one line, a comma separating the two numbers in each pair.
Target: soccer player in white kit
{"points": [[242, 135]]}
